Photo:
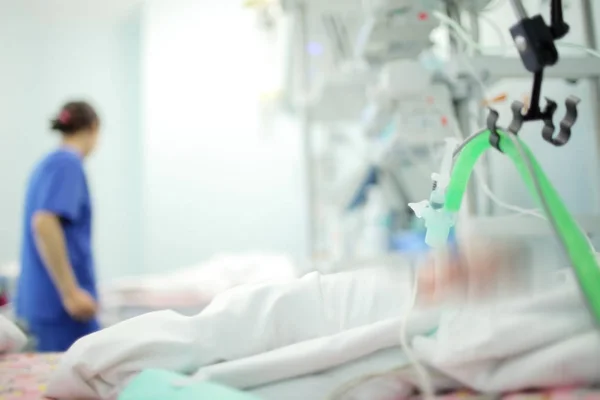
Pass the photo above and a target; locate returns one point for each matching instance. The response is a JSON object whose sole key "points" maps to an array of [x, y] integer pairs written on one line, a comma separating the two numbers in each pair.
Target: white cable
{"points": [[425, 381], [477, 170], [496, 28], [493, 5], [488, 191], [474, 73], [460, 33], [463, 35], [479, 176], [427, 388], [518, 210], [591, 52]]}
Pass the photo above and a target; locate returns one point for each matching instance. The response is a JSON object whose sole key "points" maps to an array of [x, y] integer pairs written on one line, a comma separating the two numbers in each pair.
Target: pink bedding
{"points": [[574, 393], [24, 376]]}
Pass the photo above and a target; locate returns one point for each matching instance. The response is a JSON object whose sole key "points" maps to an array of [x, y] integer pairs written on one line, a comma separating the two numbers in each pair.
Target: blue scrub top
{"points": [[59, 186]]}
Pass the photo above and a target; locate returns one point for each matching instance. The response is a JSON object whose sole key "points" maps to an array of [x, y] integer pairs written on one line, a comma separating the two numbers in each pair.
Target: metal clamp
{"points": [[535, 41], [491, 122], [547, 116], [564, 134]]}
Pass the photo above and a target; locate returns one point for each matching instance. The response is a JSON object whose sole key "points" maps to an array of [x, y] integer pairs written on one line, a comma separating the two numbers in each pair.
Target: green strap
{"points": [[155, 384], [580, 253]]}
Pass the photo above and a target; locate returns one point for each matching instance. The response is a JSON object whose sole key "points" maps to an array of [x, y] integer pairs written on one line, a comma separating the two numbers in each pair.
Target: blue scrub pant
{"points": [[58, 336]]}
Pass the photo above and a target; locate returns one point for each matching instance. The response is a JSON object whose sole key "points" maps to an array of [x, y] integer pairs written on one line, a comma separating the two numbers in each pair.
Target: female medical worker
{"points": [[56, 292]]}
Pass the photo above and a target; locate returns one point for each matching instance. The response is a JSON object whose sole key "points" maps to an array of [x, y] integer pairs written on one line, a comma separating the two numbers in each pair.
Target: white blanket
{"points": [[546, 340], [540, 341], [240, 323], [11, 337], [198, 283], [266, 337]]}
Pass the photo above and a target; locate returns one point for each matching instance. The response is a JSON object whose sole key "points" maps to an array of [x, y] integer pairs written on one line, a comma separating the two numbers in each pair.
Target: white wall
{"points": [[47, 57], [212, 181], [202, 178]]}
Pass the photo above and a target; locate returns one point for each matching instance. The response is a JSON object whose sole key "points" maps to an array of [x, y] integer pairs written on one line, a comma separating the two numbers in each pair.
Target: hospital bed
{"points": [[190, 289], [306, 338], [27, 374]]}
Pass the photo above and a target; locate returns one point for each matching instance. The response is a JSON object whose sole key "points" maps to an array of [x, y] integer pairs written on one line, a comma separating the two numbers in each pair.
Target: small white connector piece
{"points": [[438, 221], [442, 179]]}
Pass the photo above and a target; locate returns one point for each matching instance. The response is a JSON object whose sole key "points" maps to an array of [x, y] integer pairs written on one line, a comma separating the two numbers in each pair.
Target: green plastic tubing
{"points": [[581, 254]]}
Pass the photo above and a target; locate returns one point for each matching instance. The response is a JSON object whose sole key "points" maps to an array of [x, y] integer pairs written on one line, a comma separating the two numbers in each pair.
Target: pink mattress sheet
{"points": [[574, 393], [24, 376]]}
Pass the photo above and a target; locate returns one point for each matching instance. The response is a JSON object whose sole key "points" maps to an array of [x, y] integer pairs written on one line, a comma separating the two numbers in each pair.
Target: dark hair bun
{"points": [[74, 117], [56, 125]]}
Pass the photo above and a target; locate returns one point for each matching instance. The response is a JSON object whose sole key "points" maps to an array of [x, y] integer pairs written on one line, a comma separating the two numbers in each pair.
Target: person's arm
{"points": [[59, 201], [51, 245]]}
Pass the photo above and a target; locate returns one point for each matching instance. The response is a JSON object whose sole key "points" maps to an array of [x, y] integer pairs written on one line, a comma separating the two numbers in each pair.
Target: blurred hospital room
{"points": [[299, 199]]}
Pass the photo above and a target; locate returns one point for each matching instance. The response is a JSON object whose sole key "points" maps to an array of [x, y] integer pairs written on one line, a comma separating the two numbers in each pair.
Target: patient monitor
{"points": [[396, 29], [408, 98]]}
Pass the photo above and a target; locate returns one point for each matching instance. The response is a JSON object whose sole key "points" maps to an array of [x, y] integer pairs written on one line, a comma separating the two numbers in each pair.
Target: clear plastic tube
{"points": [[579, 251]]}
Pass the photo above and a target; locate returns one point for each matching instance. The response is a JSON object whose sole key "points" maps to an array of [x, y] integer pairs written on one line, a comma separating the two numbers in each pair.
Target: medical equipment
{"points": [[571, 69], [577, 247], [396, 29], [535, 42], [438, 220], [475, 5], [419, 108], [415, 119], [340, 97]]}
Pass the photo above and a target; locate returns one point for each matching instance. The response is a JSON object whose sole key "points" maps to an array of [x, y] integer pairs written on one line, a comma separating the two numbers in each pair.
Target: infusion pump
{"points": [[374, 6], [395, 30], [428, 114], [407, 96]]}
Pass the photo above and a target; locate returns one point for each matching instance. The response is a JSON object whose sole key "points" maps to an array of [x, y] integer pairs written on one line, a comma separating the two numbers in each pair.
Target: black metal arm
{"points": [[557, 22], [535, 41]]}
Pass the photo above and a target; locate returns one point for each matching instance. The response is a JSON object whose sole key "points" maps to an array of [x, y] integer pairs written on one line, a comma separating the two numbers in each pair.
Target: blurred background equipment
{"points": [[307, 137], [423, 71], [254, 141]]}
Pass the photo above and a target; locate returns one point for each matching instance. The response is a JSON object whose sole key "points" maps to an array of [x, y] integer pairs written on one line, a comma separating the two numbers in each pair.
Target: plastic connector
{"points": [[438, 221], [441, 180]]}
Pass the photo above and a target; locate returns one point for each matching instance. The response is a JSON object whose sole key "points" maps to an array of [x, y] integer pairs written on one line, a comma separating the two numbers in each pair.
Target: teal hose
{"points": [[579, 251]]}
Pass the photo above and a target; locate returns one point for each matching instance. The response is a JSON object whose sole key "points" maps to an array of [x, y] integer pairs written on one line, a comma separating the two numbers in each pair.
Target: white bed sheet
{"points": [[241, 323], [321, 386], [189, 290], [243, 340], [112, 316]]}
